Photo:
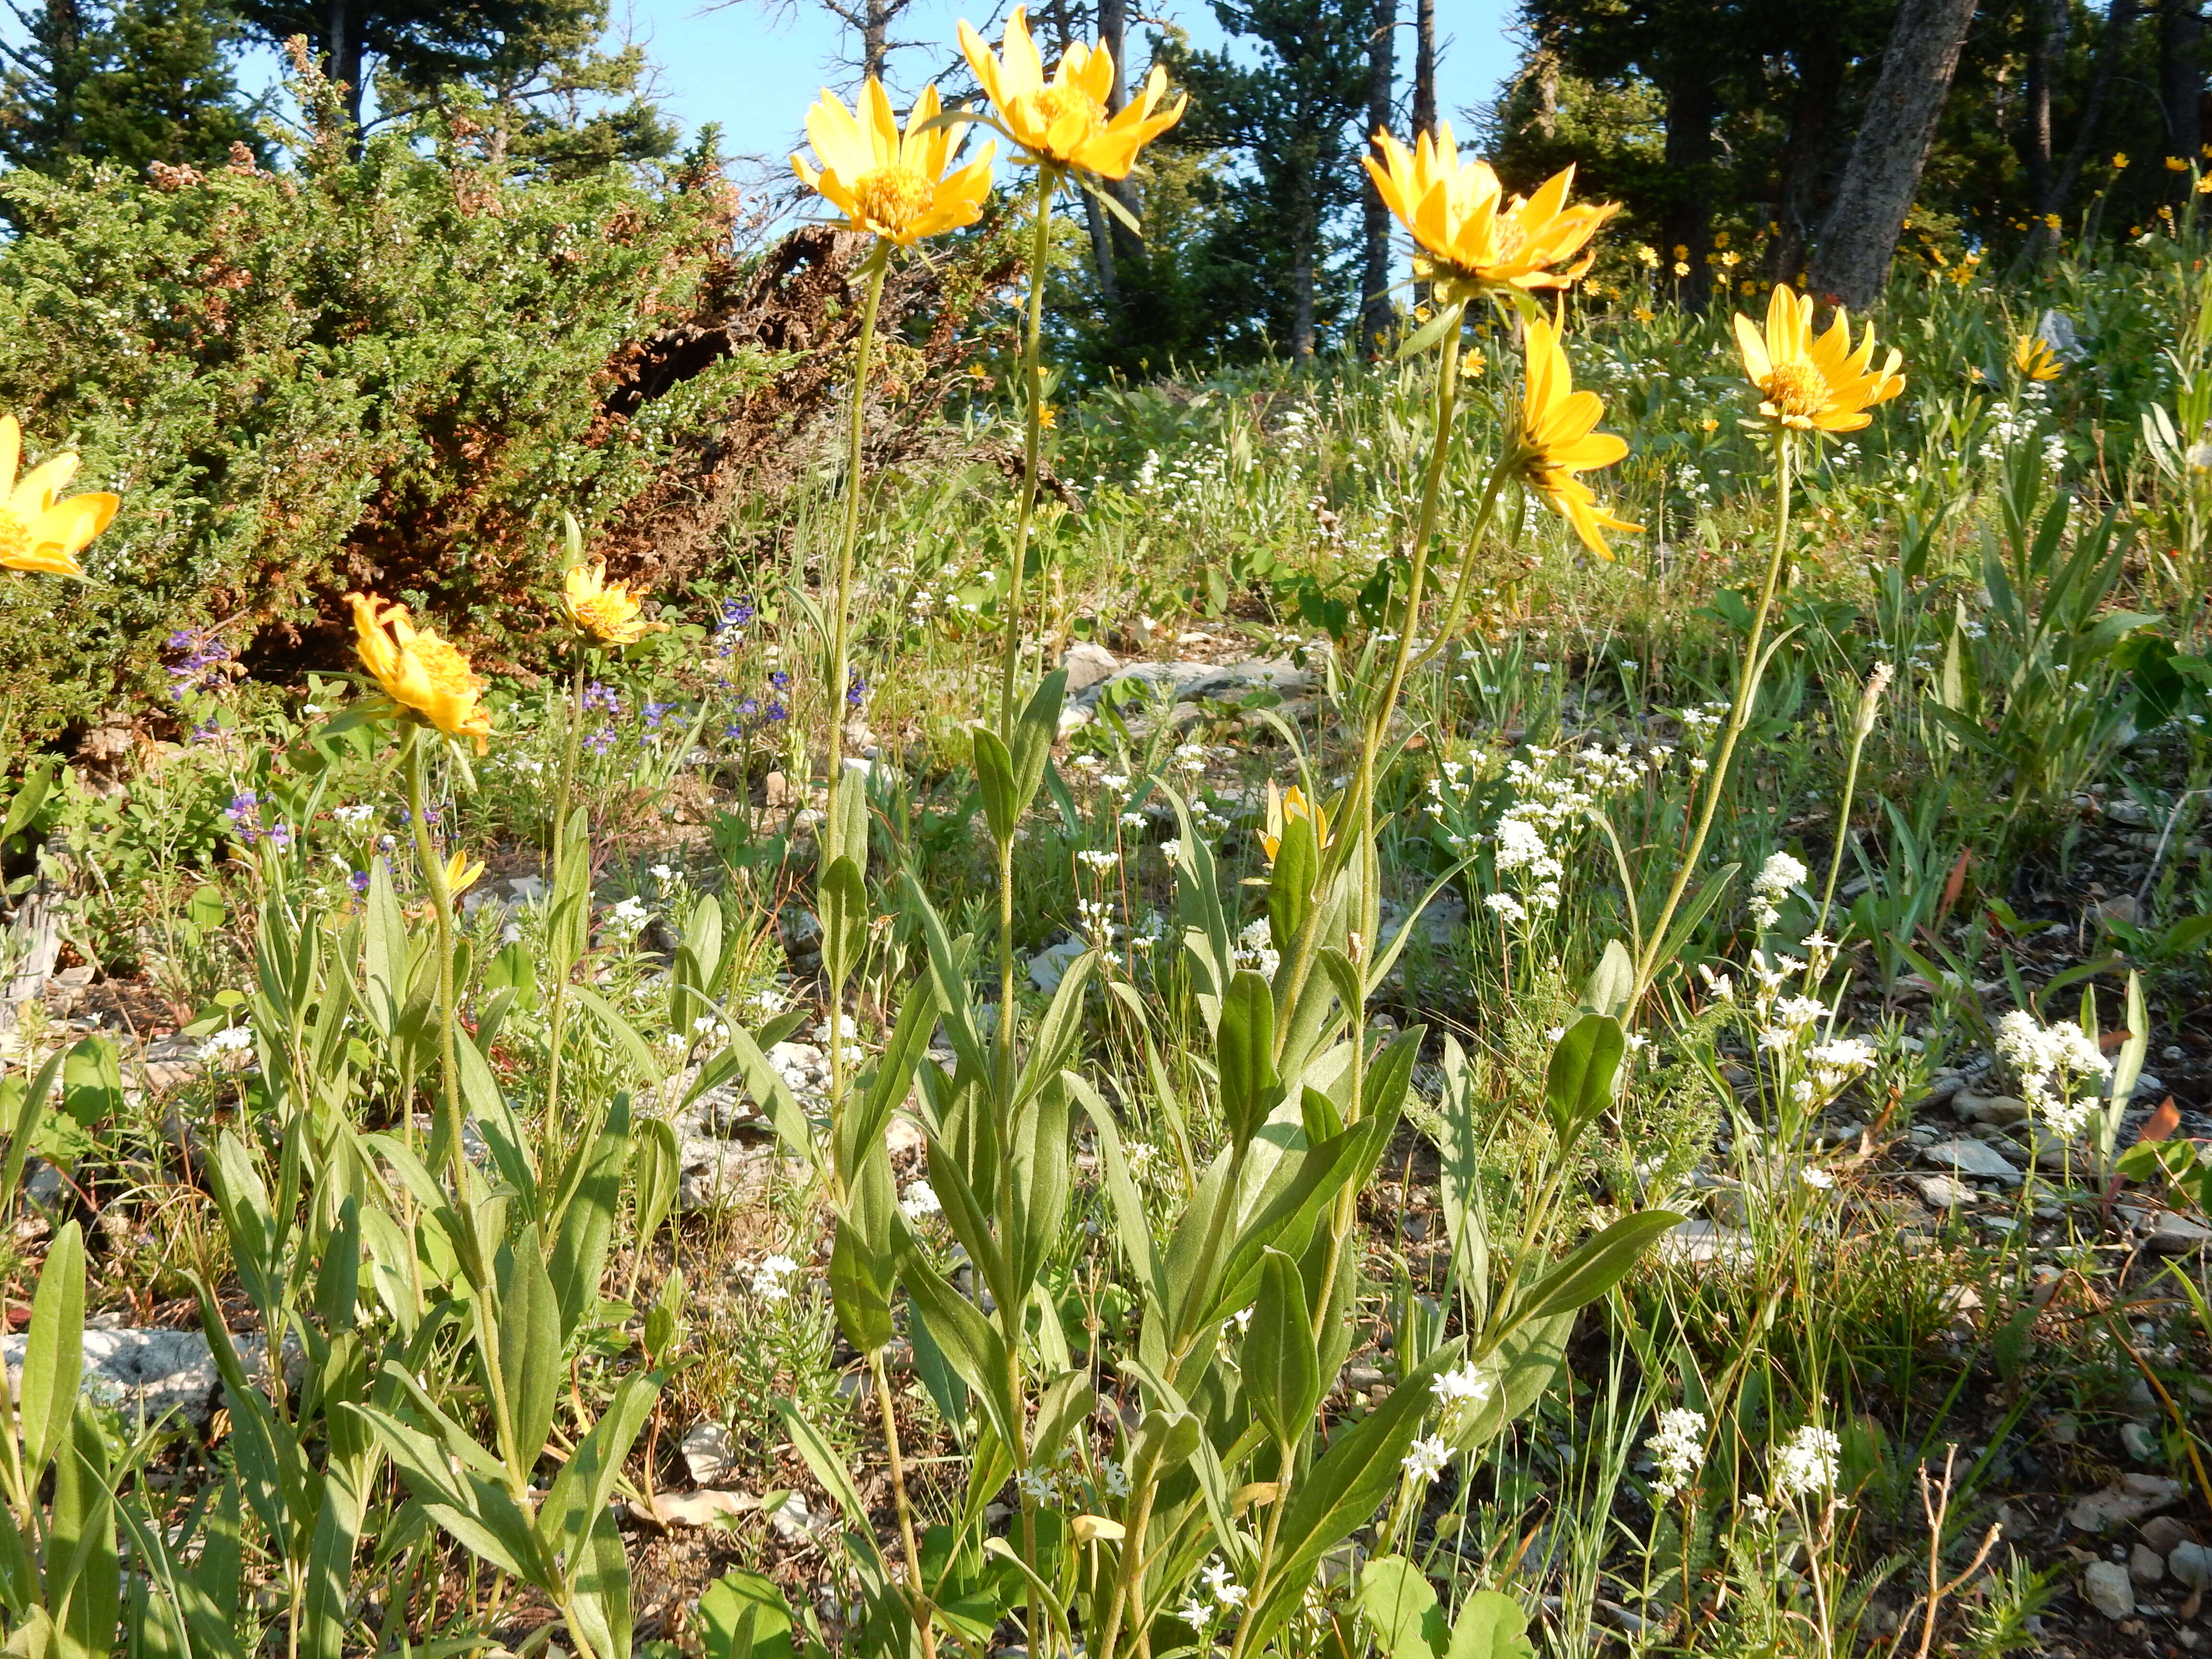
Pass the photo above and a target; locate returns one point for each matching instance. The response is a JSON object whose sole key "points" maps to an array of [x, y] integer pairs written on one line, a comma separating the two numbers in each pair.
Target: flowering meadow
{"points": [[1542, 994]]}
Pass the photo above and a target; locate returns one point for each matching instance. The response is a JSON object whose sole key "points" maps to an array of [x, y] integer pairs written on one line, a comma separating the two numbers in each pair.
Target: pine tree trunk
{"points": [[1425, 66], [2120, 24], [1806, 152], [1860, 236], [1686, 228], [2046, 41], [1301, 288], [1375, 311], [342, 46], [1121, 242], [2181, 75]]}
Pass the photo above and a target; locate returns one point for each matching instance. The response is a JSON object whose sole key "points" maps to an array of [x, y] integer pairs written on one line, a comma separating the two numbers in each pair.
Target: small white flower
{"points": [[1467, 1383], [1098, 858], [232, 1040], [1806, 1463], [1777, 876], [353, 817], [920, 1199], [1133, 820], [1819, 1179], [627, 917], [661, 873], [1678, 1448], [1171, 848], [769, 1277], [1425, 1460]]}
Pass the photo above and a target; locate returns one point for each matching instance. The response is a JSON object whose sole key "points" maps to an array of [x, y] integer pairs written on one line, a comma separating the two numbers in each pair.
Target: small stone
{"points": [[697, 1509], [2145, 1565], [2142, 1445], [2065, 1430], [792, 1520], [2163, 1532], [2175, 1235], [1971, 1157], [1943, 1191], [2191, 1563], [708, 1454], [2003, 1110], [1704, 1243], [2131, 1497], [1087, 664], [2109, 1589]]}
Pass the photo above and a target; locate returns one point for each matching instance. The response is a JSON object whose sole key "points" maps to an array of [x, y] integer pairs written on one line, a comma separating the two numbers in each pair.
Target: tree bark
{"points": [[2119, 23], [1425, 66], [343, 49], [1860, 236], [1121, 242], [2046, 42], [1376, 314], [1686, 226], [1819, 64], [2181, 75], [1302, 285]]}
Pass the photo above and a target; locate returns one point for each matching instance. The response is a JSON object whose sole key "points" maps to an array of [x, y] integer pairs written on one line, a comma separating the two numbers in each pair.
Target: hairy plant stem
{"points": [[557, 1009], [1360, 826], [447, 1138], [840, 658], [917, 1594], [1032, 443], [1746, 692]]}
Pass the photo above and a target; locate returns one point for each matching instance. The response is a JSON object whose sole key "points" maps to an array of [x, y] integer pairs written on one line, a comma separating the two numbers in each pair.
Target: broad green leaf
{"points": [[330, 1572], [53, 1352], [586, 1482], [842, 900], [860, 1290], [1244, 1050], [83, 1570], [1291, 882], [1401, 1604], [529, 1347], [743, 1616], [1579, 1082], [994, 773], [1594, 1268], [1611, 983], [1282, 1377], [579, 1252], [1033, 735], [1491, 1626]]}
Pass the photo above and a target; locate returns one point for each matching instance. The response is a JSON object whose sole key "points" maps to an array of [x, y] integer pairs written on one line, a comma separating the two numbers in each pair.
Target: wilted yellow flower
{"points": [[1284, 806], [421, 672], [1558, 439], [886, 183], [37, 531], [1063, 122], [1810, 384], [2032, 356], [607, 610], [1472, 238]]}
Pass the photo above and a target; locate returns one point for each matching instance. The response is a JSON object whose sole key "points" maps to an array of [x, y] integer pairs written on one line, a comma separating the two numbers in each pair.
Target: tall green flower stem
{"points": [[1032, 443], [840, 611], [447, 1137], [556, 1008], [1752, 669], [1861, 729]]}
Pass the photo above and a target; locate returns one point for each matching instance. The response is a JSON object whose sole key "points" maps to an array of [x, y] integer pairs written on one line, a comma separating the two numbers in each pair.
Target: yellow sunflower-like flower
{"points": [[462, 872], [1063, 122], [423, 674], [1288, 804], [1558, 439], [39, 532], [607, 610], [1472, 238], [887, 183], [1823, 384], [2032, 356]]}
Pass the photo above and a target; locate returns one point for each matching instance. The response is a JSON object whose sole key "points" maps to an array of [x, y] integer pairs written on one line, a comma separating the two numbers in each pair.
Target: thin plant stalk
{"points": [[441, 905], [840, 660], [1746, 692], [1862, 728], [1032, 445], [917, 1593], [556, 1008]]}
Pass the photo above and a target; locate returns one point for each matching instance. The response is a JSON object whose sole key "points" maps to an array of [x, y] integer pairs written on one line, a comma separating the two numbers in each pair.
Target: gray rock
{"points": [[2109, 1589], [708, 1454], [1087, 664], [2145, 1565], [1190, 682], [1701, 1244], [1943, 1191], [2131, 1497], [155, 1372], [2003, 1110], [2191, 1563], [2175, 1235], [2142, 1445], [1971, 1157], [2162, 1533]]}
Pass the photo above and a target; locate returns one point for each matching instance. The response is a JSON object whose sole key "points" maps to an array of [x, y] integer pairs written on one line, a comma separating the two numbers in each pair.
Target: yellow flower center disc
{"points": [[1798, 391], [15, 537], [447, 668], [892, 198], [1067, 99]]}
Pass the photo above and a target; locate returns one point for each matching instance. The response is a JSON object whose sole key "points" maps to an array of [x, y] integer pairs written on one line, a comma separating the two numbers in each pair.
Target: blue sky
{"points": [[756, 74]]}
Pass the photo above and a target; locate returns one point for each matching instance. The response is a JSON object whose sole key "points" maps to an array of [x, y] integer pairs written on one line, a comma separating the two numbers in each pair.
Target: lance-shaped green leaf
{"points": [[599, 1599], [1342, 1491], [1244, 1047], [827, 1465], [53, 1352], [1282, 1376], [1290, 881], [530, 1370], [1595, 1267], [586, 1482], [969, 1343], [473, 1508], [579, 1250], [84, 1567], [1578, 1082], [330, 1570], [994, 775], [861, 1288], [841, 898], [1033, 735], [656, 1171], [569, 919], [1611, 983]]}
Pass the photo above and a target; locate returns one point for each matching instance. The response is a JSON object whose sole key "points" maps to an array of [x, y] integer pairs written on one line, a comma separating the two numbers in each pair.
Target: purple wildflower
{"points": [[244, 815], [601, 740], [777, 711], [599, 695]]}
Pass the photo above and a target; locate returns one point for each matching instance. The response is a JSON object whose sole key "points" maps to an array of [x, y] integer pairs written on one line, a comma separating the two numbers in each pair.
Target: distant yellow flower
{"points": [[2175, 164], [2204, 184], [1558, 439], [1063, 122], [886, 183], [1048, 416], [1709, 424], [607, 610], [2054, 222], [38, 532], [1731, 259], [1472, 238], [1642, 313], [1681, 268], [1720, 239], [1648, 253], [462, 872], [1812, 384], [2032, 356], [421, 672], [2120, 162], [1281, 809]]}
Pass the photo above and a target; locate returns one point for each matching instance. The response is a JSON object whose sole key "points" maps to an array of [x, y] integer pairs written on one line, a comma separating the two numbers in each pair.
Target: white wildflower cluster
{"points": [[1255, 949], [626, 919], [1675, 1450], [1098, 858], [770, 1276], [1553, 790], [1225, 1596], [1425, 1460], [231, 1040], [1771, 886], [2052, 1060], [1806, 1462], [919, 1200]]}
